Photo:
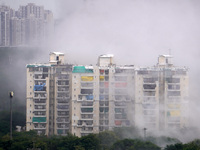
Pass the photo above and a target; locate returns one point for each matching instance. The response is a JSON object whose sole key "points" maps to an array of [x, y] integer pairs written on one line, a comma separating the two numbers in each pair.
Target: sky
{"points": [[135, 31]]}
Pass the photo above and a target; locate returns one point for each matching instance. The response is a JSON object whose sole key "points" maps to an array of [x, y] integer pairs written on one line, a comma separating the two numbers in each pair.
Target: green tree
{"points": [[194, 145], [107, 138], [18, 119], [90, 142], [177, 146], [68, 142], [130, 144]]}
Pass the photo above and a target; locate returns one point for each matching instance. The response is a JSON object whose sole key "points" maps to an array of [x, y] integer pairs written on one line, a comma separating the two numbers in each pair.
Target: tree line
{"points": [[123, 138]]}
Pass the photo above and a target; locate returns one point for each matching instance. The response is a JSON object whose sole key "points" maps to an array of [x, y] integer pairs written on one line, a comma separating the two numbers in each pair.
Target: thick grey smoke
{"points": [[136, 31]]}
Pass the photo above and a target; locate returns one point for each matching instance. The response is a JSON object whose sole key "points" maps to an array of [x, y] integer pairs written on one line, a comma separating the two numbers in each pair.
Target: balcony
{"points": [[40, 127], [149, 119], [150, 80], [149, 112], [63, 97], [87, 91], [85, 112], [38, 72], [62, 83], [63, 109], [40, 96], [85, 97], [40, 77], [62, 131], [86, 131], [63, 121], [63, 127], [63, 77], [40, 115], [39, 102], [122, 98], [39, 109], [62, 113], [63, 100]]}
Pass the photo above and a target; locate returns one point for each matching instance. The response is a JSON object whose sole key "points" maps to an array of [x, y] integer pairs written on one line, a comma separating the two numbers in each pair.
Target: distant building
{"points": [[78, 99], [31, 10], [30, 25]]}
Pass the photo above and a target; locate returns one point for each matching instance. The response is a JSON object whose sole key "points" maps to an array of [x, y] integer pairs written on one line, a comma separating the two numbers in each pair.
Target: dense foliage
{"points": [[107, 140], [119, 139]]}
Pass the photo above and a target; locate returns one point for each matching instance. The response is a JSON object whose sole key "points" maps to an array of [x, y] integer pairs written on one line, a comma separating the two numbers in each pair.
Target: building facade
{"points": [[161, 96], [48, 96], [62, 98]]}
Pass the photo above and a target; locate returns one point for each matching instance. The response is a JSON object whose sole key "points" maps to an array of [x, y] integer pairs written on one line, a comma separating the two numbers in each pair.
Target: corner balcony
{"points": [[62, 126], [40, 127], [86, 131]]}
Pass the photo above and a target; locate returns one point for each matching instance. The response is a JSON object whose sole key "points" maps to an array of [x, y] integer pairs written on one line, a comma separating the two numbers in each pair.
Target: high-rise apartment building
{"points": [[48, 96], [6, 13], [31, 10], [102, 97], [90, 99], [161, 95]]}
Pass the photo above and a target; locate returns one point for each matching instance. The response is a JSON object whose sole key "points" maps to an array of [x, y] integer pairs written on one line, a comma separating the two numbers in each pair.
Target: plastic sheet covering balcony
{"points": [[86, 109], [120, 85], [101, 71], [39, 119], [81, 69], [174, 113], [59, 131], [101, 97], [62, 106], [101, 78], [39, 87], [106, 84], [87, 78], [89, 97], [118, 122], [174, 106]]}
